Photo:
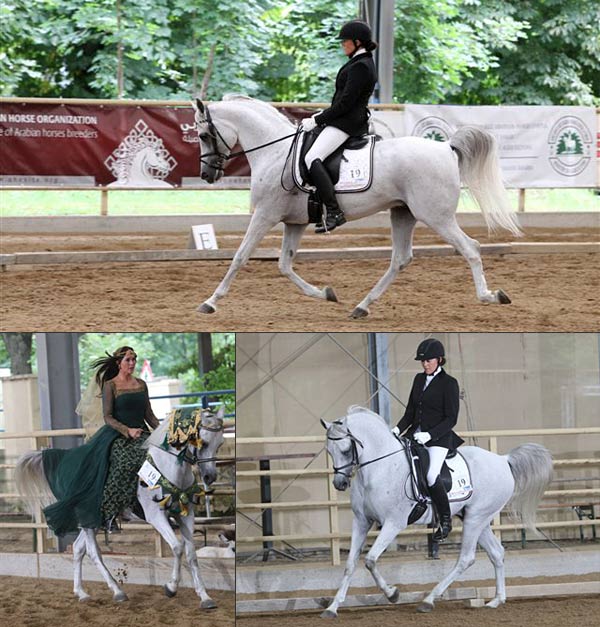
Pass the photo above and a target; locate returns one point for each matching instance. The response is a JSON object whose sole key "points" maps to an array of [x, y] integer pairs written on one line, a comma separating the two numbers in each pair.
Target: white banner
{"points": [[539, 146]]}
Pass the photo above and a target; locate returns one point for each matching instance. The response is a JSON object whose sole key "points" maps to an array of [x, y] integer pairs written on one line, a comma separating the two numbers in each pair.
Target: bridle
{"points": [[213, 135], [192, 458], [355, 464]]}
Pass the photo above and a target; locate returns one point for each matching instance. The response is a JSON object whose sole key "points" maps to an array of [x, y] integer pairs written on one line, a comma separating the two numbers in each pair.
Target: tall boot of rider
{"points": [[321, 180], [440, 501]]}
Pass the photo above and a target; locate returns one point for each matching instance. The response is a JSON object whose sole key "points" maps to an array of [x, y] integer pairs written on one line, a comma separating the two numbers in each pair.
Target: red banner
{"points": [[135, 146]]}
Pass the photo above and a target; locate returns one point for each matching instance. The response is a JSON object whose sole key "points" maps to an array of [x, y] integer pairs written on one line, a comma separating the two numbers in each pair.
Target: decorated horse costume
{"points": [[168, 489]]}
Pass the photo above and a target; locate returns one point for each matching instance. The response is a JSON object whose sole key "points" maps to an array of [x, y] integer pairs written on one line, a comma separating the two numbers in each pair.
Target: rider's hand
{"points": [[396, 431], [308, 124], [422, 437], [134, 434]]}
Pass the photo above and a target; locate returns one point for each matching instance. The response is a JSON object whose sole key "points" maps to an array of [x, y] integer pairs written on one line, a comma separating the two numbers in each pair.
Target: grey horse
{"points": [[378, 494], [414, 178], [33, 486]]}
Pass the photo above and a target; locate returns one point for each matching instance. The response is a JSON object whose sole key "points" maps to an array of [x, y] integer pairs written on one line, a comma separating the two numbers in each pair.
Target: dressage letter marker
{"points": [[203, 237]]}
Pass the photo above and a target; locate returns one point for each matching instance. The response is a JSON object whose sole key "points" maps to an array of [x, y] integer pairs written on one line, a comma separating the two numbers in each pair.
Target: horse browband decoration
{"points": [[185, 428]]}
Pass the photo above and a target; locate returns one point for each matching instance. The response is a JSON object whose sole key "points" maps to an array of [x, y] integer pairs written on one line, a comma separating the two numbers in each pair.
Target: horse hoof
{"points": [[425, 607], [330, 295], [205, 308], [209, 604], [328, 614], [169, 592], [503, 298], [84, 598], [120, 597], [359, 312], [393, 598]]}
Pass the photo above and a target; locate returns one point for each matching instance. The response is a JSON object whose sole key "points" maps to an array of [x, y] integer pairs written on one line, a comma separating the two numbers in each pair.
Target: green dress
{"points": [[97, 480]]}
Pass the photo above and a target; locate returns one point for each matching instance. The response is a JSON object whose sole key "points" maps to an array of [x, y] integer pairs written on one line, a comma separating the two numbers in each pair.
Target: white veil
{"points": [[90, 408]]}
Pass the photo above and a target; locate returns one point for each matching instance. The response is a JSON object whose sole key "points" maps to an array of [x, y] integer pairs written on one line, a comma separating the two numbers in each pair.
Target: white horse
{"points": [[362, 442], [32, 484], [415, 178]]}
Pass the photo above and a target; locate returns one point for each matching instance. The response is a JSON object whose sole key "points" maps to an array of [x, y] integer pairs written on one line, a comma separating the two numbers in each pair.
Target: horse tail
{"points": [[531, 467], [480, 172], [31, 481]]}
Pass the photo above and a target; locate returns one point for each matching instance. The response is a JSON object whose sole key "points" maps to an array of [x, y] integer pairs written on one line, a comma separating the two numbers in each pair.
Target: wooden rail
{"points": [[40, 438], [333, 504]]}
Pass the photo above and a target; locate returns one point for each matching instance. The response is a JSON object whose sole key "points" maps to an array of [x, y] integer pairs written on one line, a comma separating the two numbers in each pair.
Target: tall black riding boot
{"points": [[321, 180], [440, 501]]}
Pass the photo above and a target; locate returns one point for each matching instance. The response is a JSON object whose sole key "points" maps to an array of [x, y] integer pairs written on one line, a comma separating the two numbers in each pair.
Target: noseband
{"points": [[355, 463], [354, 440], [214, 135]]}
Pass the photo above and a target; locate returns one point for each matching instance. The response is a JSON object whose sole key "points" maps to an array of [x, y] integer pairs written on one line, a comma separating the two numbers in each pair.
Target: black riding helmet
{"points": [[429, 349], [356, 29]]}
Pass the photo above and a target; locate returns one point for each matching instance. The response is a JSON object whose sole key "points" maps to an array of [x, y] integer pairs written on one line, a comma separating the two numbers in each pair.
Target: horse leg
{"points": [[259, 226], [78, 555], [388, 532], [93, 550], [360, 528], [495, 551], [403, 225], [187, 531], [158, 519], [470, 249], [471, 532], [292, 233]]}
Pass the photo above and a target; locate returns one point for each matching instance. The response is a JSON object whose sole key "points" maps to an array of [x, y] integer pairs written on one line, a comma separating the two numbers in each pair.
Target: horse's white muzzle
{"points": [[341, 483]]}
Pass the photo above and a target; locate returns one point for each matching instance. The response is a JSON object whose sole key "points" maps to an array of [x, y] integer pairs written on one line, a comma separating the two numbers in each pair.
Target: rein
{"points": [[214, 134], [182, 456], [355, 462]]}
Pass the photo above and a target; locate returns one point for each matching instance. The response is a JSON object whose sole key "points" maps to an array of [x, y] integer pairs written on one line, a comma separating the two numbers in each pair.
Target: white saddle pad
{"points": [[356, 169], [461, 479]]}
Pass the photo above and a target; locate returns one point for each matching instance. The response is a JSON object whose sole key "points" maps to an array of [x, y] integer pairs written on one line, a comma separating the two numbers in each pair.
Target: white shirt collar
{"points": [[430, 376], [359, 51]]}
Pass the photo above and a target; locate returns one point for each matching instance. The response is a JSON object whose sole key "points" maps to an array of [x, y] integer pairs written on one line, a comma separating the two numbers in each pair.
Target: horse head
{"points": [[210, 438], [342, 446], [216, 144]]}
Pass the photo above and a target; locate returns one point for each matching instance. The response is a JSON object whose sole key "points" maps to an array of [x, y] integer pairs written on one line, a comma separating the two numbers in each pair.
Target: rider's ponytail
{"points": [[369, 46]]}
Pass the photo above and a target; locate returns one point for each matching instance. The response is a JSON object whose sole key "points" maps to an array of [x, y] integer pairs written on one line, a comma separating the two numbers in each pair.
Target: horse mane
{"points": [[357, 409], [234, 97]]}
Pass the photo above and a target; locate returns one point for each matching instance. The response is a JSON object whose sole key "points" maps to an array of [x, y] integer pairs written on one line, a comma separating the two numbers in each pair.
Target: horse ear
{"points": [[221, 413], [325, 424], [199, 105]]}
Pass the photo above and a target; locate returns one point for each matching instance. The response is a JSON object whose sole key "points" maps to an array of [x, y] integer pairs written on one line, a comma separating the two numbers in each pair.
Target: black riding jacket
{"points": [[434, 410], [354, 85]]}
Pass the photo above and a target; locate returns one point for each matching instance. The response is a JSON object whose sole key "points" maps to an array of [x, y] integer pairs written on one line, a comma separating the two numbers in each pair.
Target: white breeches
{"points": [[437, 455], [329, 139]]}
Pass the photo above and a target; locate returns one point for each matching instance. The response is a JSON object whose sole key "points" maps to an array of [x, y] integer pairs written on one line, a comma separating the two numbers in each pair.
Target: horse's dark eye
{"points": [[204, 137]]}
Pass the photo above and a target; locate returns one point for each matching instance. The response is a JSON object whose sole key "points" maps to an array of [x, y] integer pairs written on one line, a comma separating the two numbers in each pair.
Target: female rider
{"points": [[347, 116], [431, 413]]}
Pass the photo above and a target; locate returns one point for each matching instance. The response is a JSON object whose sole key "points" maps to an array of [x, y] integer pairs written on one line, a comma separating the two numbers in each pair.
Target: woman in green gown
{"points": [[94, 482]]}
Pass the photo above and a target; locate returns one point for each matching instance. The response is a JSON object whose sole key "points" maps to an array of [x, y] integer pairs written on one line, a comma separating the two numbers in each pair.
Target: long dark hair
{"points": [[108, 367]]}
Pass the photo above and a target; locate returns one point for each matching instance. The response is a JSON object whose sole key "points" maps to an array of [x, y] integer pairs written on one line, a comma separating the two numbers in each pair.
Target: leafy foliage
{"points": [[448, 51]]}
